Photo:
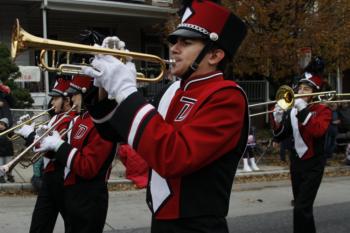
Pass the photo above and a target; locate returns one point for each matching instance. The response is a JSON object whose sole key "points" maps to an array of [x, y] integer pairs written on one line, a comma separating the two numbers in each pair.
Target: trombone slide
{"points": [[10, 165]]}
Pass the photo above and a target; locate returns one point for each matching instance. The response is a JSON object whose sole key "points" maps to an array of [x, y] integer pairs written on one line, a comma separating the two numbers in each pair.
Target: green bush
{"points": [[9, 71]]}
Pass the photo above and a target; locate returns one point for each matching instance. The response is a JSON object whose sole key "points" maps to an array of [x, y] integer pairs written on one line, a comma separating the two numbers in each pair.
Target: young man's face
{"points": [[305, 89], [184, 51], [57, 103], [2, 126]]}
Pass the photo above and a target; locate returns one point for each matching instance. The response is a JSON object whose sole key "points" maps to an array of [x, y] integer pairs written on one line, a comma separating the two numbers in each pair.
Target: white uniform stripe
{"points": [[137, 120], [70, 157], [307, 119], [105, 118], [201, 79], [53, 119], [167, 97], [299, 144]]}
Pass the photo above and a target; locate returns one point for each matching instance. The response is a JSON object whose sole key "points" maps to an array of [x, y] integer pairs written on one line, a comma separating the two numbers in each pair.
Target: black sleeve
{"points": [[303, 114], [30, 139], [285, 130], [100, 110]]}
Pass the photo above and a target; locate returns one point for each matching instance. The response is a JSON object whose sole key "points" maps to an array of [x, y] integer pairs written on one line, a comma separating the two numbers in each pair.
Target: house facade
{"points": [[137, 22]]}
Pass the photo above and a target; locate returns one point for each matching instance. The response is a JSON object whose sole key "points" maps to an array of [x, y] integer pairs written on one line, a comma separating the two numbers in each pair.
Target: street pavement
{"points": [[254, 199]]}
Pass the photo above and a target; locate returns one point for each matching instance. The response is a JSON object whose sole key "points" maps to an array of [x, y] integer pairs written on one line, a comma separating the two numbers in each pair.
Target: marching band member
{"points": [[87, 159], [195, 139], [50, 197], [307, 123]]}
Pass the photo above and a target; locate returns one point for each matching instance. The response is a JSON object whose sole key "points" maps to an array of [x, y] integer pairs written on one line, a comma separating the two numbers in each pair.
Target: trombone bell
{"points": [[285, 96]]}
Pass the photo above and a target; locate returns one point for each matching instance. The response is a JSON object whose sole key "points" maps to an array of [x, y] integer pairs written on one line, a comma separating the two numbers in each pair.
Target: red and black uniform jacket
{"points": [[49, 163], [308, 128], [86, 156], [193, 143]]}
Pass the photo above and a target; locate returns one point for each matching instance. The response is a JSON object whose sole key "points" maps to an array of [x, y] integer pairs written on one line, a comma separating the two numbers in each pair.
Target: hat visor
{"points": [[184, 33], [72, 91], [54, 94], [307, 82]]}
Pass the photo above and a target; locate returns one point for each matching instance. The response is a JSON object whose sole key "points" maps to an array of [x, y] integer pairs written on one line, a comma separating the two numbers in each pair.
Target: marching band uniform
{"points": [[195, 138], [87, 159], [308, 126], [50, 197]]}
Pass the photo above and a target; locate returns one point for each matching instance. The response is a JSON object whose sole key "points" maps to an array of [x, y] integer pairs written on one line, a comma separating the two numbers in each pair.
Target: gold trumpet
{"points": [[6, 132], [10, 165], [285, 98], [22, 40]]}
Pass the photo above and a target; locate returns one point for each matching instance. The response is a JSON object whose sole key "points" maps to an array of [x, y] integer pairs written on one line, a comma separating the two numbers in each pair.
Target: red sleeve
{"points": [[87, 162], [317, 123], [212, 132]]}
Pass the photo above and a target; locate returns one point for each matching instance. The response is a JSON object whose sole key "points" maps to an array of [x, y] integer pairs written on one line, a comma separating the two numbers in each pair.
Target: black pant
{"points": [[48, 204], [306, 178], [86, 206], [205, 224]]}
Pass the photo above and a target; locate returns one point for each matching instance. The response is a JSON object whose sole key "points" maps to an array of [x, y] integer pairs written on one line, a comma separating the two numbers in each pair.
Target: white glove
{"points": [[23, 118], [50, 143], [25, 130], [41, 130], [278, 113], [115, 77], [300, 104], [113, 42]]}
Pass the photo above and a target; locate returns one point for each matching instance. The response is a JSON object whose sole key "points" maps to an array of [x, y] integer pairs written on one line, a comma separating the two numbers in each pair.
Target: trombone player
{"points": [[6, 150], [307, 123], [86, 158], [50, 198]]}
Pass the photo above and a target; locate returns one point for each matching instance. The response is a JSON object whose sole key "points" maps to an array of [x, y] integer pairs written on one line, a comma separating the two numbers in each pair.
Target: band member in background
{"points": [[196, 136], [307, 123], [87, 159], [6, 150], [136, 168], [249, 163], [50, 197]]}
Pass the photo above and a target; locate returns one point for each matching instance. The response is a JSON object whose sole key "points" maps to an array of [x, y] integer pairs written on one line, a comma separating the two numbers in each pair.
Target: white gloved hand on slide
{"points": [[278, 113], [300, 104], [25, 130], [50, 143]]}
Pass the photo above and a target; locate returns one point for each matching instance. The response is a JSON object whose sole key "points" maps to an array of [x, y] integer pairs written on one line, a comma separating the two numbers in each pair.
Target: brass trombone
{"points": [[285, 98], [6, 132], [10, 165], [26, 163], [22, 40], [15, 136]]}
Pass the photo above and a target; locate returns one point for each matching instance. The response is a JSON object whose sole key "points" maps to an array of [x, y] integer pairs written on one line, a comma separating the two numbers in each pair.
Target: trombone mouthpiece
{"points": [[170, 61]]}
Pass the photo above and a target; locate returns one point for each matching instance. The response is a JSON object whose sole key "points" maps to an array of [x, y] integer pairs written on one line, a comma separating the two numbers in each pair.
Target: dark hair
{"points": [[225, 65]]}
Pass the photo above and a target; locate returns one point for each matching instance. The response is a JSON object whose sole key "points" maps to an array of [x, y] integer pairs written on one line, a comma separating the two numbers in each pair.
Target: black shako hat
{"points": [[60, 87], [209, 21]]}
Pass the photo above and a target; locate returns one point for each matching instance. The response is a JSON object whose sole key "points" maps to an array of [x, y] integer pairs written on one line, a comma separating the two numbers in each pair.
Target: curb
{"points": [[122, 184], [283, 174], [13, 187]]}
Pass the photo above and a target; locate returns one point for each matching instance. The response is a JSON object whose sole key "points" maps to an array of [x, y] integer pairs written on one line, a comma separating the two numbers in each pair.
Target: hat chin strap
{"points": [[194, 66]]}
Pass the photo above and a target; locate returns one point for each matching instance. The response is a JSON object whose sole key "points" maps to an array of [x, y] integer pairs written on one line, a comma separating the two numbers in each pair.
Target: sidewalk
{"points": [[118, 182]]}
